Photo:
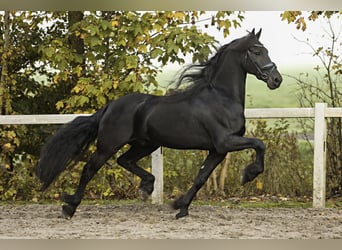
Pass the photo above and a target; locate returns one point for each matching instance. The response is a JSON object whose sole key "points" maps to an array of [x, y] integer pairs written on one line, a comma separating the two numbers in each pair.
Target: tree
{"points": [[324, 87], [300, 19], [19, 38], [72, 62], [122, 52]]}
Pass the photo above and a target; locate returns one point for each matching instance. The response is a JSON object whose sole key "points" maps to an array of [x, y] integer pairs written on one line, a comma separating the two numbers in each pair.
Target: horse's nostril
{"points": [[278, 80]]}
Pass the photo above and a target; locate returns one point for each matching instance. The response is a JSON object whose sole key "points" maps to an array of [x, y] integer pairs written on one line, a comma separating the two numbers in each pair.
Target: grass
{"points": [[259, 96], [251, 202]]}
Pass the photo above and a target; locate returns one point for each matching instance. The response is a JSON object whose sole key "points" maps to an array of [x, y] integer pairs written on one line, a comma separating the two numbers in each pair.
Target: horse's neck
{"points": [[230, 80]]}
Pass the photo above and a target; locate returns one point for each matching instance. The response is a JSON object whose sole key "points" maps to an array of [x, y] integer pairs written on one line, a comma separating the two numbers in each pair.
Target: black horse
{"points": [[209, 115]]}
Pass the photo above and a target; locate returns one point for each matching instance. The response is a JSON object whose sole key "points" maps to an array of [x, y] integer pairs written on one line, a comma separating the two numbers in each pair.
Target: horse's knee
{"points": [[251, 172], [259, 145], [122, 161]]}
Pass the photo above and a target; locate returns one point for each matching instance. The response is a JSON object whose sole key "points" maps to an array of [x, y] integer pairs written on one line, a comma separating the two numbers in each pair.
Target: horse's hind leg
{"points": [[129, 161], [96, 162]]}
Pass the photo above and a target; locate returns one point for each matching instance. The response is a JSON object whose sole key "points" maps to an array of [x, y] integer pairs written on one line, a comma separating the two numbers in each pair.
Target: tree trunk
{"points": [[75, 42], [4, 92], [223, 174]]}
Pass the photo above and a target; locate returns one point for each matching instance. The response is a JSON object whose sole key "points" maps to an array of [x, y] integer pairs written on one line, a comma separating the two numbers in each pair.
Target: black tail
{"points": [[67, 144]]}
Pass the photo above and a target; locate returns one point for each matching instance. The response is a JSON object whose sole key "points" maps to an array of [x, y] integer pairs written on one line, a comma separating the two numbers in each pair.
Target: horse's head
{"points": [[258, 63]]}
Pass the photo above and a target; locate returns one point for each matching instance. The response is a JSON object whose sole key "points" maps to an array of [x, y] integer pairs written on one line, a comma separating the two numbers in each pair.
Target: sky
{"points": [[279, 37]]}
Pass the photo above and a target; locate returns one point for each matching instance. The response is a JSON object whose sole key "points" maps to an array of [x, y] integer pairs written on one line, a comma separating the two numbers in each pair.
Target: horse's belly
{"points": [[179, 134]]}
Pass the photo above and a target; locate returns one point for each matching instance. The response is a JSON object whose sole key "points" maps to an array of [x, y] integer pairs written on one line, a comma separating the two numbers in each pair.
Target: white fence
{"points": [[320, 112]]}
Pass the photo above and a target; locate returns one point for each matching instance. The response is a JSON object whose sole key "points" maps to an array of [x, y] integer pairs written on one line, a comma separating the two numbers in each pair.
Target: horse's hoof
{"points": [[147, 187], [68, 211], [143, 195], [184, 212], [177, 204]]}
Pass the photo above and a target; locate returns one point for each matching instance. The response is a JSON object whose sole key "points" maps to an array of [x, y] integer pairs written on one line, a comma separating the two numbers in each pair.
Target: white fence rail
{"points": [[320, 112]]}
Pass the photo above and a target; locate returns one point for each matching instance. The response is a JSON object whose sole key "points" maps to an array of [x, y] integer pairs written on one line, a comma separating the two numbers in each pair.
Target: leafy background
{"points": [[75, 62]]}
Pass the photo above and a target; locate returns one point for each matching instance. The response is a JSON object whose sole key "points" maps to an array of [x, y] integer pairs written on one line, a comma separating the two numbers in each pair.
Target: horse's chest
{"points": [[227, 117]]}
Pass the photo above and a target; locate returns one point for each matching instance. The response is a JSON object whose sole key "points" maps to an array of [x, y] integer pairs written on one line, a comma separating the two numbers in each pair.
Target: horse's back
{"points": [[170, 122]]}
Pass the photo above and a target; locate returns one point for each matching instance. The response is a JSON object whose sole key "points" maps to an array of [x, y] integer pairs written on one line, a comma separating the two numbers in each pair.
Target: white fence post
{"points": [[157, 171], [319, 172]]}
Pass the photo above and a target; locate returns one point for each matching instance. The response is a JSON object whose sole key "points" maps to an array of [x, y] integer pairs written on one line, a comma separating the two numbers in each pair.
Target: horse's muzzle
{"points": [[274, 79]]}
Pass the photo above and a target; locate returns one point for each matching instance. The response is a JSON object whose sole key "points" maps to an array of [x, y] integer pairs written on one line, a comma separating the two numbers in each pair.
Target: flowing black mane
{"points": [[202, 73]]}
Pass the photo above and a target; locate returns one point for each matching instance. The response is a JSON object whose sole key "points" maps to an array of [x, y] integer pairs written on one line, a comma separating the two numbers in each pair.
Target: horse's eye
{"points": [[255, 51]]}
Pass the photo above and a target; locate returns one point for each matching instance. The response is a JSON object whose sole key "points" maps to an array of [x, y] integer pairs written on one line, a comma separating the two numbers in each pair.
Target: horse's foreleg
{"points": [[236, 143], [207, 168], [257, 167]]}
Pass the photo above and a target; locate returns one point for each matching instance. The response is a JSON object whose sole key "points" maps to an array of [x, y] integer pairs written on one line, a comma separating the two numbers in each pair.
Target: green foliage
{"points": [[76, 62], [300, 19], [288, 172], [122, 53], [180, 169], [324, 85]]}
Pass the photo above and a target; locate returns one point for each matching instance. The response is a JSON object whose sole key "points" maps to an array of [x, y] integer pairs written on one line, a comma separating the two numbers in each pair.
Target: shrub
{"points": [[287, 172]]}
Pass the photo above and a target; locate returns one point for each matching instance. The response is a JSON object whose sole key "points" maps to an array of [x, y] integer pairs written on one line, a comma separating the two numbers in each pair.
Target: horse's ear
{"points": [[258, 34], [253, 31]]}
